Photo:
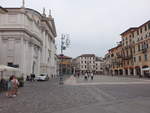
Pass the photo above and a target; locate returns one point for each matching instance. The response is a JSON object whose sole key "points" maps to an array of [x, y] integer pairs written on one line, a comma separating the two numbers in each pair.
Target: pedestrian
{"points": [[78, 74], [112, 74], [32, 77], [140, 76], [2, 83], [9, 87], [28, 78], [86, 76], [15, 84], [92, 76], [52, 76]]}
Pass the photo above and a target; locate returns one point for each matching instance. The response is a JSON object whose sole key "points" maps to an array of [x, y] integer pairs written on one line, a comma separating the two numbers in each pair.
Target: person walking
{"points": [[9, 87], [15, 84], [78, 74], [86, 76], [32, 77], [92, 76]]}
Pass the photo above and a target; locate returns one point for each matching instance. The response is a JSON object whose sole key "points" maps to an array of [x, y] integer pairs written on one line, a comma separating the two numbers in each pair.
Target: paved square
{"points": [[50, 97], [101, 79]]}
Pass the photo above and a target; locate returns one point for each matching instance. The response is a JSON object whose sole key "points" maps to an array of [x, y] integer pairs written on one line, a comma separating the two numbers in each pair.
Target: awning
{"points": [[4, 68], [7, 68], [146, 69]]}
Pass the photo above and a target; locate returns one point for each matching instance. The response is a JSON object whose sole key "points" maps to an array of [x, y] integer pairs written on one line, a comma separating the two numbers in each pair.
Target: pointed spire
{"points": [[44, 12], [50, 16], [49, 12], [23, 3]]}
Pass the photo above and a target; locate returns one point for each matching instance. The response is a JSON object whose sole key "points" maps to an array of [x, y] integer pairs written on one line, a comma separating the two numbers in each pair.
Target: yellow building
{"points": [[136, 50], [116, 60], [132, 55], [66, 63]]}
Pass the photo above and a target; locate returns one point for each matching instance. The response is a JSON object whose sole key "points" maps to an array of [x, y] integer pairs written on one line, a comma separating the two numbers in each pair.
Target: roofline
{"points": [[41, 16], [144, 23], [25, 9], [115, 47], [135, 28], [3, 9], [87, 55], [65, 57]]}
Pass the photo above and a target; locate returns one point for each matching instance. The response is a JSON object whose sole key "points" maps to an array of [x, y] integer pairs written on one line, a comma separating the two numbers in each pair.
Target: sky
{"points": [[94, 26]]}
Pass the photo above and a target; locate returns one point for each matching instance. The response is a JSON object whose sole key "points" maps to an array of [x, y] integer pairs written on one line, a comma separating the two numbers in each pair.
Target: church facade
{"points": [[27, 40]]}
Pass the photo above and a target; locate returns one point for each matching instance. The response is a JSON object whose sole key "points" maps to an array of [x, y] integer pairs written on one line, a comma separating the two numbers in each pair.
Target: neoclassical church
{"points": [[27, 40]]}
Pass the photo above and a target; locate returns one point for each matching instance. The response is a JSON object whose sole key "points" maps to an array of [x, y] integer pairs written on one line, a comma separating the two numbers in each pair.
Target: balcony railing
{"points": [[144, 50], [127, 57], [128, 46], [119, 56]]}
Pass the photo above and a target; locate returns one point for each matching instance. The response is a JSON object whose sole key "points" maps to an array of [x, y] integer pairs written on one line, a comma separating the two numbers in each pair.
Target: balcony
{"points": [[128, 46], [119, 56], [127, 57], [144, 50]]}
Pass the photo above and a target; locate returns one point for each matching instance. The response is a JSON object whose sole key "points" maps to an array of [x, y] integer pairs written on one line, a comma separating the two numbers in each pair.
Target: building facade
{"points": [[136, 42], [87, 63], [116, 60], [132, 55], [107, 64], [99, 66], [27, 40], [65, 65]]}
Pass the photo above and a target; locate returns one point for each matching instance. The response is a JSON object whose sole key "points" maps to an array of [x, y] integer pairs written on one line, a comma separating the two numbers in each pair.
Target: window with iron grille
{"points": [[137, 32], [139, 58], [145, 57], [145, 27], [141, 30]]}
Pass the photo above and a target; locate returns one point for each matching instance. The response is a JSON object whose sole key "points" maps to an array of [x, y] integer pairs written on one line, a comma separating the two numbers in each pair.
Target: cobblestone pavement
{"points": [[102, 79], [50, 97]]}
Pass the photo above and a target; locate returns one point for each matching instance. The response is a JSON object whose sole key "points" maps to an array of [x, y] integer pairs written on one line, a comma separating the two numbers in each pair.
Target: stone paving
{"points": [[102, 79], [50, 97], [45, 97]]}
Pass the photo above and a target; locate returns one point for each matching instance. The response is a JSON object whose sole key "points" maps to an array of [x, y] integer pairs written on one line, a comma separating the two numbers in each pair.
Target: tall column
{"points": [[142, 74], [129, 71], [123, 71], [113, 71], [134, 71], [22, 55]]}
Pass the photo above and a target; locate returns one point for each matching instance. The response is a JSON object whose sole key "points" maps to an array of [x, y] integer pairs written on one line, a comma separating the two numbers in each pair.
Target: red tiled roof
{"points": [[64, 57]]}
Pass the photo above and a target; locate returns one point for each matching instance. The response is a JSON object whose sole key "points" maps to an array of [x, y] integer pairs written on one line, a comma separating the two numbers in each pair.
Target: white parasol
{"points": [[7, 68]]}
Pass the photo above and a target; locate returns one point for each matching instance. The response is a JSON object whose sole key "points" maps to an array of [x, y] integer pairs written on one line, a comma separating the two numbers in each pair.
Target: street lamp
{"points": [[65, 42]]}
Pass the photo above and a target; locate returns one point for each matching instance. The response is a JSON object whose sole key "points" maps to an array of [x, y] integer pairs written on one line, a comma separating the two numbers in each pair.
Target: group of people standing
{"points": [[31, 77], [88, 75], [12, 85]]}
